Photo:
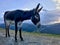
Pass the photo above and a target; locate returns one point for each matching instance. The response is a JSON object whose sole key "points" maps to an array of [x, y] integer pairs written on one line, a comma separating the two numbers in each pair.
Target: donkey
{"points": [[18, 16]]}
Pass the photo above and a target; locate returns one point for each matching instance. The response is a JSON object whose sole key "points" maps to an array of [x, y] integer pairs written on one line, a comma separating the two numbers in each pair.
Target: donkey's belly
{"points": [[9, 22]]}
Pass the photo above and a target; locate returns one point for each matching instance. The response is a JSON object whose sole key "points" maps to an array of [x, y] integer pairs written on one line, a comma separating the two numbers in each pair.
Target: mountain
{"points": [[52, 29]]}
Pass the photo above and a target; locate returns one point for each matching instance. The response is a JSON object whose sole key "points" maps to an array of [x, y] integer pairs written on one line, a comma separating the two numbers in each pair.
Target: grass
{"points": [[43, 34], [33, 33]]}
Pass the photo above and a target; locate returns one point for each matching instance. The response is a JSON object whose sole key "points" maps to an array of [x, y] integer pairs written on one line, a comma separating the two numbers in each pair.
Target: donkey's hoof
{"points": [[15, 40], [22, 39], [8, 35]]}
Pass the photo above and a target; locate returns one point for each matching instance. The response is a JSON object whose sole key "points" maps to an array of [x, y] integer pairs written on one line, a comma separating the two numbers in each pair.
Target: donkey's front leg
{"points": [[20, 34], [16, 31]]}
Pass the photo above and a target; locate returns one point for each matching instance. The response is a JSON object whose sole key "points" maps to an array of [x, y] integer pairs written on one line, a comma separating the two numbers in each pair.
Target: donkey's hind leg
{"points": [[8, 31], [7, 25]]}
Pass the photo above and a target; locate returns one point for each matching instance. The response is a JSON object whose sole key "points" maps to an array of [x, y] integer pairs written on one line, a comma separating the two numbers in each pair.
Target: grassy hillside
{"points": [[32, 33], [30, 38]]}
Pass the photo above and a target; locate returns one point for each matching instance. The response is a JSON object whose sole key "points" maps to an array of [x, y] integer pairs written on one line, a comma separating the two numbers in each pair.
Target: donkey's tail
{"points": [[5, 15]]}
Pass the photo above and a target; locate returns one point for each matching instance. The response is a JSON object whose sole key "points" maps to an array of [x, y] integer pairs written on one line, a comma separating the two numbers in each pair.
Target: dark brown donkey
{"points": [[18, 16]]}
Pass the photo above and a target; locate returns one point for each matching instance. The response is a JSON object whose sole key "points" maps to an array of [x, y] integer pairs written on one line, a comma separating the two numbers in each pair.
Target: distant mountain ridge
{"points": [[52, 29], [25, 27]]}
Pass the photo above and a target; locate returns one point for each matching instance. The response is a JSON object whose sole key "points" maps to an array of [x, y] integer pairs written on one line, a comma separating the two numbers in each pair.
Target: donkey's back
{"points": [[13, 15]]}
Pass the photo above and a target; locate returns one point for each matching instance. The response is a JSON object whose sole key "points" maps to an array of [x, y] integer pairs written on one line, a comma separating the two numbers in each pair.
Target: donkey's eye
{"points": [[36, 17]]}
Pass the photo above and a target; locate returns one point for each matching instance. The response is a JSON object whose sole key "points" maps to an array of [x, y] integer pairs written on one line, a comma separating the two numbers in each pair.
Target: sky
{"points": [[6, 5], [50, 17], [57, 3], [26, 4]]}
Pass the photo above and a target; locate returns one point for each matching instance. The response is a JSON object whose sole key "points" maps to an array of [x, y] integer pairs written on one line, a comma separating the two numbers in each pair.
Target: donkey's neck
{"points": [[27, 15]]}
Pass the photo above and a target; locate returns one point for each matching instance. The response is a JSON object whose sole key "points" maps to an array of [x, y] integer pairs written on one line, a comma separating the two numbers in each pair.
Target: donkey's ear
{"points": [[40, 9], [37, 6]]}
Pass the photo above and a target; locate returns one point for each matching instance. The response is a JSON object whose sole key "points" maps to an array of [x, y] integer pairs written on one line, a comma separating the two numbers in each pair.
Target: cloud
{"points": [[57, 3], [50, 17], [2, 13]]}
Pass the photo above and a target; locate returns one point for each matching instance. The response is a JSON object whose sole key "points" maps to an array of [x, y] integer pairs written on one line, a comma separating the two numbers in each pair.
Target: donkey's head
{"points": [[36, 17]]}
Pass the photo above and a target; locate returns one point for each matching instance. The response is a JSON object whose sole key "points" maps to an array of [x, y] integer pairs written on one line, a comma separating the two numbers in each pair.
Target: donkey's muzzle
{"points": [[38, 25]]}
